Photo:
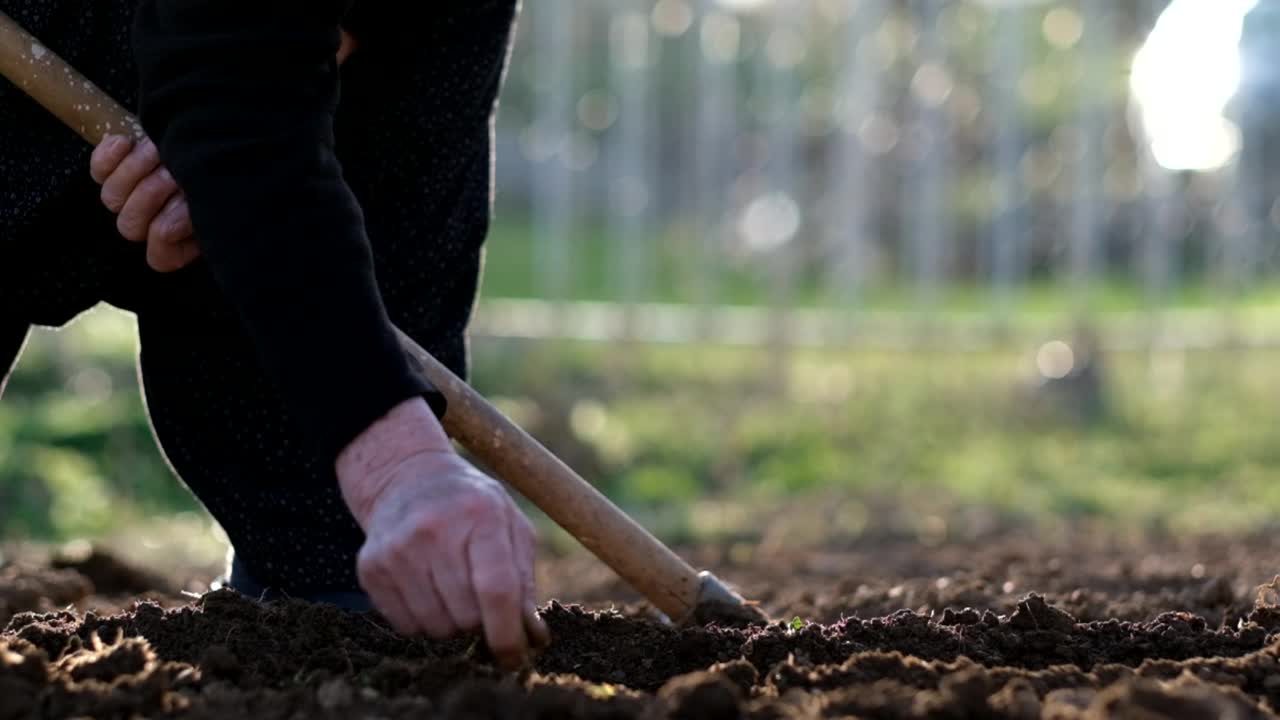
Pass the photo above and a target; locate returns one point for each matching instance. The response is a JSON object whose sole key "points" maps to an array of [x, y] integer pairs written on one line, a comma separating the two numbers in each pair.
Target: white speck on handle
{"points": [[38, 50]]}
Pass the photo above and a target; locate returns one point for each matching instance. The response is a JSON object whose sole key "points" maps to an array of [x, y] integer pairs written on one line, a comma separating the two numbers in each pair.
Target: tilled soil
{"points": [[1012, 626]]}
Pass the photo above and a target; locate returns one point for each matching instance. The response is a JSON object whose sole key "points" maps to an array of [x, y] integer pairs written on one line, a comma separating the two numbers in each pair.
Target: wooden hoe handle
{"points": [[513, 455], [60, 88]]}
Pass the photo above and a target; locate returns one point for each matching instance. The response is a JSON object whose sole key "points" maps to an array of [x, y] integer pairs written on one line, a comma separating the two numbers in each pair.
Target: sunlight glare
{"points": [[1184, 76]]}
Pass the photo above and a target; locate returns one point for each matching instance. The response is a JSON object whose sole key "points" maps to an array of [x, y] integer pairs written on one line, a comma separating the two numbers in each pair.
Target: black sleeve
{"points": [[240, 98]]}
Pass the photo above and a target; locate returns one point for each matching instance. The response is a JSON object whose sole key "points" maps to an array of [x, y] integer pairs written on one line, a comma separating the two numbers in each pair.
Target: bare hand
{"points": [[145, 197], [446, 549], [149, 206]]}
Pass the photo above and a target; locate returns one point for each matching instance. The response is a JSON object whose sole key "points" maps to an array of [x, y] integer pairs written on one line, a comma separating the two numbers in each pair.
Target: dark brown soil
{"points": [[1013, 626], [108, 573]]}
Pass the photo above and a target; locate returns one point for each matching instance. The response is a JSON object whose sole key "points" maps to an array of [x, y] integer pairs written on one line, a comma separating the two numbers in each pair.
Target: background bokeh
{"points": [[784, 270]]}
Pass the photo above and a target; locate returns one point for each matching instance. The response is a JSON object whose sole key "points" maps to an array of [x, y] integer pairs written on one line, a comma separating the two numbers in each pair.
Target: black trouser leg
{"points": [[227, 434], [222, 424]]}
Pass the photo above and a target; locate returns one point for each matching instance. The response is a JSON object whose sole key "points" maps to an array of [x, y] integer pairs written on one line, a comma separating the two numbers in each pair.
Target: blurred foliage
{"points": [[596, 270], [76, 451], [694, 438]]}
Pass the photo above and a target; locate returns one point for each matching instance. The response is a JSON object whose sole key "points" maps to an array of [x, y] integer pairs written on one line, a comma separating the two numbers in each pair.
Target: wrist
{"points": [[408, 429]]}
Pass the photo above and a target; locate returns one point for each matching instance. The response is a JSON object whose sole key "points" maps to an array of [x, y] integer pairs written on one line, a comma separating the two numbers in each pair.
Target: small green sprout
{"points": [[797, 623]]}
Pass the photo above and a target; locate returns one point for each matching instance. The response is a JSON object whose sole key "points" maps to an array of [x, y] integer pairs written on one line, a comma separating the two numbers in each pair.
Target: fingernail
{"points": [[536, 629]]}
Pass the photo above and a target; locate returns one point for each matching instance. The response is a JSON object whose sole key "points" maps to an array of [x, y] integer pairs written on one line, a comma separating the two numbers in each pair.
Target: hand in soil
{"points": [[149, 205], [447, 550]]}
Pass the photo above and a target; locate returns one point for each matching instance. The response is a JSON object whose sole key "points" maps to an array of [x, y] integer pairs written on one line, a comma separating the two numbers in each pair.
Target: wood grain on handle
{"points": [[666, 580], [60, 88]]}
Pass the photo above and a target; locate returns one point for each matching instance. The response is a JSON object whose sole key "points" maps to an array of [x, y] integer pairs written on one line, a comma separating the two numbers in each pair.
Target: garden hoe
{"points": [[683, 594]]}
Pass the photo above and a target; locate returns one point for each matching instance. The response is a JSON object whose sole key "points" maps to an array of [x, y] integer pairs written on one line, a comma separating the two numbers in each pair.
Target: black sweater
{"points": [[240, 98]]}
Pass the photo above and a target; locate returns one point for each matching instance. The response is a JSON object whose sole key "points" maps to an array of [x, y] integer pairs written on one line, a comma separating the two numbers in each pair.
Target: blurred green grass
{"points": [[699, 440], [600, 269], [76, 451]]}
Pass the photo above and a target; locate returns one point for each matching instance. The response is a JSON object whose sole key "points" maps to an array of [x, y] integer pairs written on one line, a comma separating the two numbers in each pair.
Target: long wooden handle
{"points": [[60, 88], [670, 583]]}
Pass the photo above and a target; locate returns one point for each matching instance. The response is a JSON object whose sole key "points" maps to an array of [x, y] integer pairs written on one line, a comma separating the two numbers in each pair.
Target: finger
{"points": [[172, 224], [524, 549], [107, 156], [347, 47], [395, 599], [174, 257], [535, 628], [171, 257], [424, 601], [452, 576], [138, 164], [498, 588], [382, 589], [524, 543], [145, 203]]}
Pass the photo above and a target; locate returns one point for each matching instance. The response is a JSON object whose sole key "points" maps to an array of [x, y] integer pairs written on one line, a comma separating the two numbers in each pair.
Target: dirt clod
{"points": [[1014, 631], [109, 574]]}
